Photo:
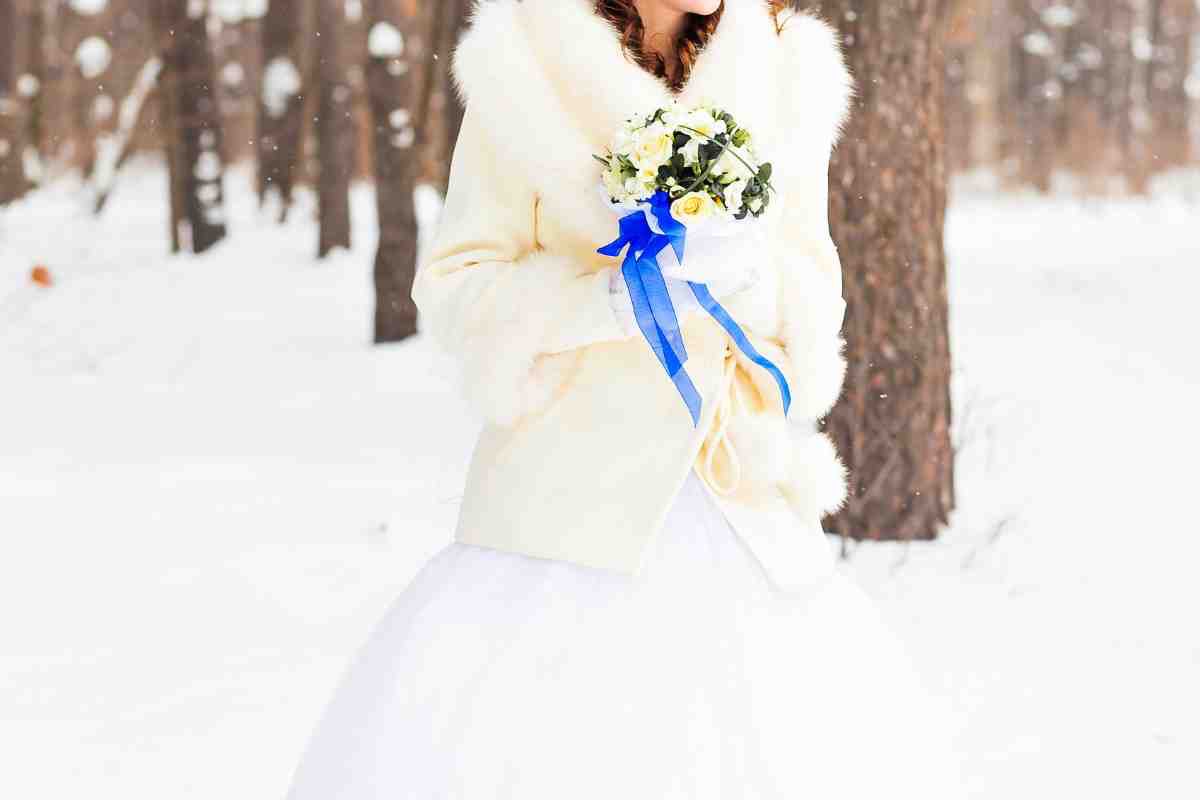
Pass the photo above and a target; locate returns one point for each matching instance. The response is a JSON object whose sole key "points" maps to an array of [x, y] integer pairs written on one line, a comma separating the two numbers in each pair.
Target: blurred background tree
{"points": [[887, 211]]}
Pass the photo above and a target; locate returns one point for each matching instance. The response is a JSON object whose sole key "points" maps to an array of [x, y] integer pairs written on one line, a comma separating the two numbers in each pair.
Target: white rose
{"points": [[733, 197], [615, 185], [638, 189], [626, 138], [730, 164], [653, 147], [703, 122], [693, 208], [691, 151]]}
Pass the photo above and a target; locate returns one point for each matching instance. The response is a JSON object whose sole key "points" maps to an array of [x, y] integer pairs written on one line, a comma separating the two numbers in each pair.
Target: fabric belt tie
{"points": [[718, 441]]}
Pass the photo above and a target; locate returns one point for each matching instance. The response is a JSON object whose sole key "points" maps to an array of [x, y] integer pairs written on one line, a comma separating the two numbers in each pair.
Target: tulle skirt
{"points": [[496, 676]]}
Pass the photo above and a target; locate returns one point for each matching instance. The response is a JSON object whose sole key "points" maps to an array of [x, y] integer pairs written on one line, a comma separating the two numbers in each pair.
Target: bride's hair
{"points": [[625, 18]]}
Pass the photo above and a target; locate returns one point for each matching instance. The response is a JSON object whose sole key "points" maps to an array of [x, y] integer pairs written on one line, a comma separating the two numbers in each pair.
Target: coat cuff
{"points": [[817, 483], [812, 341]]}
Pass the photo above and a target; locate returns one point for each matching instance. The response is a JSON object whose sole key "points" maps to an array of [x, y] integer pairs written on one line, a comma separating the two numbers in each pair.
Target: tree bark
{"points": [[440, 110], [1172, 31], [335, 134], [887, 199], [12, 122], [18, 64], [393, 85], [193, 134], [281, 103]]}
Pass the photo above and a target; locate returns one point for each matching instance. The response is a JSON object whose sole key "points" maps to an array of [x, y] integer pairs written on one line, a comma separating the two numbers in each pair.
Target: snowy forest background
{"points": [[225, 447]]}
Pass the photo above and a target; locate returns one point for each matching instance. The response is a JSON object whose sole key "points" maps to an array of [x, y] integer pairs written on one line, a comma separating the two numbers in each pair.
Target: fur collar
{"points": [[551, 79]]}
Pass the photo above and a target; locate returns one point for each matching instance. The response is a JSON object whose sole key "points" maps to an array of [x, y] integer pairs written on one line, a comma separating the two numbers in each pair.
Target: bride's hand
{"points": [[727, 261], [682, 297]]}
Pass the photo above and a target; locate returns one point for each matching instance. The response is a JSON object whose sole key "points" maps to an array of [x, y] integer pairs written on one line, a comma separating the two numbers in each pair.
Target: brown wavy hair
{"points": [[699, 29]]}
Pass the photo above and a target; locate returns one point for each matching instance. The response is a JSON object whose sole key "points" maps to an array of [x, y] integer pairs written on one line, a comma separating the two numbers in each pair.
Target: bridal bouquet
{"points": [[683, 175], [699, 158]]}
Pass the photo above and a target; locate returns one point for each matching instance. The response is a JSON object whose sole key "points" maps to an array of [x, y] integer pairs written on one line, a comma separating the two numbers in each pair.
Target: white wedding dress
{"points": [[498, 676]]}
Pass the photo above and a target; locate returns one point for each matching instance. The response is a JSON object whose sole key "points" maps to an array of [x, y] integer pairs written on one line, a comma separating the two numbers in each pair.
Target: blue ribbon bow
{"points": [[652, 306]]}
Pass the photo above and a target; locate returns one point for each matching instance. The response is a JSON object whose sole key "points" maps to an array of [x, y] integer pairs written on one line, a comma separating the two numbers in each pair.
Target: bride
{"points": [[635, 606]]}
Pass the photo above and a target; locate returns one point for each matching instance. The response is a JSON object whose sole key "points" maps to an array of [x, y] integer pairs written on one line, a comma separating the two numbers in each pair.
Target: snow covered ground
{"points": [[210, 487]]}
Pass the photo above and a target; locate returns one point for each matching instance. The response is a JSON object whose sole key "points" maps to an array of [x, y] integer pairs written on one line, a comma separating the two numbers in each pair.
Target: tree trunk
{"points": [[17, 94], [397, 44], [281, 104], [1172, 32], [440, 111], [12, 175], [193, 132], [335, 134], [887, 200]]}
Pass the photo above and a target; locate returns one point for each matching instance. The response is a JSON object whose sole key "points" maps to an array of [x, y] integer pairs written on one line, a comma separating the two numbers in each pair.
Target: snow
{"points": [[208, 166], [230, 12], [93, 56], [232, 74], [28, 85], [281, 82], [211, 487], [89, 8], [102, 107], [385, 41], [1038, 43], [1059, 16], [399, 118]]}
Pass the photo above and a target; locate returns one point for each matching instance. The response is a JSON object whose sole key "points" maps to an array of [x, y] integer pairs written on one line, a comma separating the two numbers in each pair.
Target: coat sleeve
{"points": [[811, 304], [499, 303]]}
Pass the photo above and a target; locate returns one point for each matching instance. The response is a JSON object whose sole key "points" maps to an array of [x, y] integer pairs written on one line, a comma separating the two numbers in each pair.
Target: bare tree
{"points": [[888, 198], [14, 109], [398, 46], [335, 129], [1172, 31], [281, 104], [440, 108], [192, 125]]}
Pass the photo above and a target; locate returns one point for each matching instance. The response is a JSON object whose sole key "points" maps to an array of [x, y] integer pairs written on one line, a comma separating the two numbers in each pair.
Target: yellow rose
{"points": [[653, 148], [694, 207]]}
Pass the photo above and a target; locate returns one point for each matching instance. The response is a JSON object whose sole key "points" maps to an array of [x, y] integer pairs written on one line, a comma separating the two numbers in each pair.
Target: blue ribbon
{"points": [[652, 306]]}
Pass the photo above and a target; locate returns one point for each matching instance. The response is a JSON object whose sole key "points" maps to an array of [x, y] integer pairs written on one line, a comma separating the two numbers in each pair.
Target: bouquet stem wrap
{"points": [[644, 234]]}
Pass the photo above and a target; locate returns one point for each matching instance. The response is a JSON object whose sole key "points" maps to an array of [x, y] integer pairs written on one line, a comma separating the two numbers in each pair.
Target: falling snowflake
{"points": [[281, 82], [1038, 44], [28, 85], [399, 117], [232, 74], [208, 194], [230, 12], [1142, 47], [385, 41], [404, 138], [102, 108], [88, 8], [208, 166], [1059, 16], [93, 56]]}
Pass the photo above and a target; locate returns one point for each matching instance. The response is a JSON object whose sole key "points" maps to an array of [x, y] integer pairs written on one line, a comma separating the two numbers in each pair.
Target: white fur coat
{"points": [[587, 440]]}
